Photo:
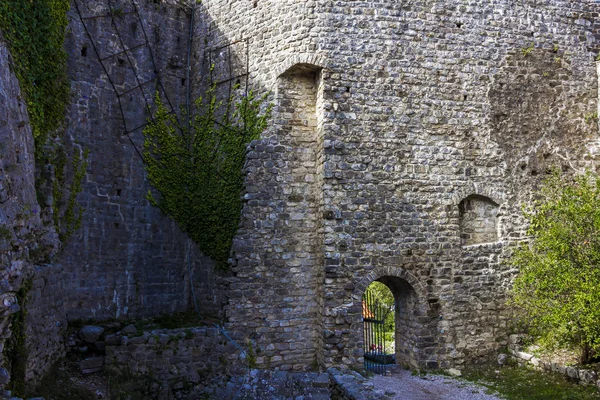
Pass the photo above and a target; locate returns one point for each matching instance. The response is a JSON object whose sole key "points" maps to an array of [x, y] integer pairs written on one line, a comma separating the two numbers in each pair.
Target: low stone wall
{"points": [[576, 373], [189, 363], [181, 362]]}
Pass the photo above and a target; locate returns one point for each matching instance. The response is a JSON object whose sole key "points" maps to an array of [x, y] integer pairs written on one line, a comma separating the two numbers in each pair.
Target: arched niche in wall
{"points": [[298, 117], [478, 220]]}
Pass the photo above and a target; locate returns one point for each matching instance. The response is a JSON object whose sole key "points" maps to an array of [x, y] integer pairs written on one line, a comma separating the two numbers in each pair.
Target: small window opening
{"points": [[84, 51], [459, 24], [478, 220]]}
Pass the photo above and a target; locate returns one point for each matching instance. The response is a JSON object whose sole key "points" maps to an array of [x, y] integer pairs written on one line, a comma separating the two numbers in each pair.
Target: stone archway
{"points": [[415, 317]]}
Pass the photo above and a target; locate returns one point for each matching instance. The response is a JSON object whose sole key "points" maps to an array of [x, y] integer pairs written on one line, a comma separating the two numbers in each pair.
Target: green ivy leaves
{"points": [[35, 32], [197, 173]]}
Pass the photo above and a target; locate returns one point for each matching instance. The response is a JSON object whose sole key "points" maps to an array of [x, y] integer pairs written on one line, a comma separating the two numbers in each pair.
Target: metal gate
{"points": [[376, 359]]}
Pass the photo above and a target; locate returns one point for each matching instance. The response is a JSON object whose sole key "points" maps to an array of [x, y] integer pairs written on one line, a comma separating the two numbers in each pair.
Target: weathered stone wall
{"points": [[185, 361], [388, 115], [127, 260], [424, 104], [23, 236], [423, 138], [198, 362], [45, 322]]}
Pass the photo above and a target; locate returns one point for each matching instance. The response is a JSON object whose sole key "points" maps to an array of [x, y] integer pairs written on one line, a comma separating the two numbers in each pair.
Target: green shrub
{"points": [[557, 287]]}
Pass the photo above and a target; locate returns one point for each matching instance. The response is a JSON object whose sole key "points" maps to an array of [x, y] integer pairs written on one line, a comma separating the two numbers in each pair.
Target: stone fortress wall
{"points": [[406, 135], [128, 260], [415, 131]]}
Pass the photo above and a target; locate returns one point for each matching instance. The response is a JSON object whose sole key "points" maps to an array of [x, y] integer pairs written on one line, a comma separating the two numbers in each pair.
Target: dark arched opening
{"points": [[397, 342]]}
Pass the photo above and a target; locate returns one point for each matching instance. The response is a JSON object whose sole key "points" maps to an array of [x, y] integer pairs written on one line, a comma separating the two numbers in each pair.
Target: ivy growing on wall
{"points": [[35, 33], [70, 219], [15, 351], [196, 170]]}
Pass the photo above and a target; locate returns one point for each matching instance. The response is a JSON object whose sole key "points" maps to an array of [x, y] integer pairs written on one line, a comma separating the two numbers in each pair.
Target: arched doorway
{"points": [[379, 329], [396, 325]]}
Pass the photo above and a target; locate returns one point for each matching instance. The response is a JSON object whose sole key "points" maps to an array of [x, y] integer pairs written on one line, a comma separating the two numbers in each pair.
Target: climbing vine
{"points": [[35, 33], [196, 170], [70, 220], [15, 351]]}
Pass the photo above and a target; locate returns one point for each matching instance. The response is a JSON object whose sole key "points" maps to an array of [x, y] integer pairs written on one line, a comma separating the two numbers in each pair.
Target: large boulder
{"points": [[91, 333]]}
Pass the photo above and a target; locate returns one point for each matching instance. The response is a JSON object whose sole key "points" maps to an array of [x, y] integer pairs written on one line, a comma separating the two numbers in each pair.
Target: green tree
{"points": [[382, 296], [196, 170], [557, 289]]}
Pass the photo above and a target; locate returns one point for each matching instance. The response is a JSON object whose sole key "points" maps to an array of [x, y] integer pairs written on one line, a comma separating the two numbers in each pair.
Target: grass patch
{"points": [[176, 321], [188, 319], [522, 383], [5, 234]]}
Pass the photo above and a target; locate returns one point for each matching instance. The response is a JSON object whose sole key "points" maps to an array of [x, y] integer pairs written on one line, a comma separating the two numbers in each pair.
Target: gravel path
{"points": [[405, 386]]}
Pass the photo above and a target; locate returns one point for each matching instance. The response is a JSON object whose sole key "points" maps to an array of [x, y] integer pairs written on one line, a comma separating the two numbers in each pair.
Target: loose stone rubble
{"points": [[521, 354]]}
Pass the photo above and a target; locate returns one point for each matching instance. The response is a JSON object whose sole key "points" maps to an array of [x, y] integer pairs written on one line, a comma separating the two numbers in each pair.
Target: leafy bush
{"points": [[557, 288]]}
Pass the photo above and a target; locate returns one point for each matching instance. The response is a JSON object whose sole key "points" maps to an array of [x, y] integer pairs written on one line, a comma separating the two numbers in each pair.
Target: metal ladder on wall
{"points": [[127, 52], [124, 50]]}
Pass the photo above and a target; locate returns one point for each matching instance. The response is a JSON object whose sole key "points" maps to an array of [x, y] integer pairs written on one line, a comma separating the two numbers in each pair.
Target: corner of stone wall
{"points": [[45, 322]]}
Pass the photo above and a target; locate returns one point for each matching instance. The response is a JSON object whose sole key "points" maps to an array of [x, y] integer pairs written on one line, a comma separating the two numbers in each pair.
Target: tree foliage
{"points": [[196, 170], [558, 286], [383, 297]]}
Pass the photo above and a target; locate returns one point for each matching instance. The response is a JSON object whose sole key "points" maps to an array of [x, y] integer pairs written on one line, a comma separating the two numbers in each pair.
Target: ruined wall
{"points": [[420, 136], [24, 238], [46, 322], [275, 296], [388, 115], [424, 104], [181, 363], [127, 260]]}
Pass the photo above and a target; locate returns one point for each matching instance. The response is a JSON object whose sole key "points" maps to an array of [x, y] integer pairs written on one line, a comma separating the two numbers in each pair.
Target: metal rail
{"points": [[127, 51]]}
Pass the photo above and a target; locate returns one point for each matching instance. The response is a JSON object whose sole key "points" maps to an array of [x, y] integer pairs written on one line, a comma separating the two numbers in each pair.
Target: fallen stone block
{"points": [[91, 333]]}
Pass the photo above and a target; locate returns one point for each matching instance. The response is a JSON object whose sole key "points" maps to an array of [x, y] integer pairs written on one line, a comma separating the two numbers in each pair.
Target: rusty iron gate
{"points": [[376, 358]]}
